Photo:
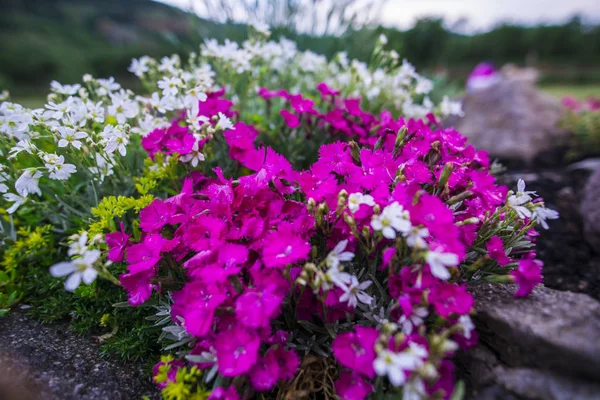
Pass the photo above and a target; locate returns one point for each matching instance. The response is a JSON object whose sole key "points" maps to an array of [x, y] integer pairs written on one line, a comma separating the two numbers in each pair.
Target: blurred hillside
{"points": [[42, 40], [63, 39]]}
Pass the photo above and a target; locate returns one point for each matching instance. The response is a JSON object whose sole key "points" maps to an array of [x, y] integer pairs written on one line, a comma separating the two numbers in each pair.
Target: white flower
{"points": [[15, 199], [57, 167], [115, 139], [79, 269], [122, 108], [393, 365], [338, 255], [424, 85], [261, 27], [439, 263], [392, 219], [64, 89], [414, 389], [95, 111], [356, 199], [194, 120], [79, 247], [383, 39], [107, 86], [139, 67], [467, 325], [22, 145], [194, 157], [169, 64], [28, 183], [413, 320], [224, 123], [103, 167], [415, 237], [193, 96], [517, 201], [541, 214], [354, 292], [170, 86], [448, 107], [58, 111], [70, 136]]}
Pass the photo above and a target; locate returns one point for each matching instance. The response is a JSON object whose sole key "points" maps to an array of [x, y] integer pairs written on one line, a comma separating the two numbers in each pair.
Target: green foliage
{"points": [[32, 248], [584, 125], [121, 332]]}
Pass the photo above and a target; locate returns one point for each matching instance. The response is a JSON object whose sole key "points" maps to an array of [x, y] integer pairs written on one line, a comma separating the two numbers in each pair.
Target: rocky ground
{"points": [[39, 362], [570, 262]]}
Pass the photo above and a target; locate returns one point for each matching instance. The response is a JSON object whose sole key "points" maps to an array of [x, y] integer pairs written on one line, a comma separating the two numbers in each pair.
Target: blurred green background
{"points": [[41, 40]]}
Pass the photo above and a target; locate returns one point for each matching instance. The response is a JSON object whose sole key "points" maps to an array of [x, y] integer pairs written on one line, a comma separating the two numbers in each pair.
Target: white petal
{"points": [[62, 269], [439, 271], [73, 281], [89, 275]]}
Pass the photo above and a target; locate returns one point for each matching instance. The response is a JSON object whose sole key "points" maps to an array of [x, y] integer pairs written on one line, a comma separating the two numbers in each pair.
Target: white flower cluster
{"points": [[271, 62], [394, 221], [522, 203], [353, 290], [81, 267]]}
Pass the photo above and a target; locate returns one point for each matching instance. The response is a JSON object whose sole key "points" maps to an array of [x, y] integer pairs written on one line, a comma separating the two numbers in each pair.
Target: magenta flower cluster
{"points": [[380, 230]]}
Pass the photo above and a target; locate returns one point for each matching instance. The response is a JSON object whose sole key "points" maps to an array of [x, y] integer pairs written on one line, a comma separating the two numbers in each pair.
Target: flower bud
{"points": [[377, 209], [310, 205], [445, 175], [400, 138], [355, 150], [349, 220], [468, 221]]}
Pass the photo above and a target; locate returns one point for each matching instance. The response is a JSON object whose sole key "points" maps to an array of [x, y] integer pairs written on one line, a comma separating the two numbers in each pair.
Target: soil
{"points": [[39, 362], [570, 263]]}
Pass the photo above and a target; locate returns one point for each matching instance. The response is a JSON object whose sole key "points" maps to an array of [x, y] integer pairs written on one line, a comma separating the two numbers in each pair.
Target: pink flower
{"points": [[221, 393], [495, 248], [528, 275], [326, 90], [352, 386], [144, 256], [291, 120], [117, 242], [449, 298], [283, 248], [445, 381], [356, 350], [156, 215], [237, 351], [137, 286], [277, 364], [256, 308]]}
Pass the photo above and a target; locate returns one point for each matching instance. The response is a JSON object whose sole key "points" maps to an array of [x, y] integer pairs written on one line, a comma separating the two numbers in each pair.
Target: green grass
{"points": [[580, 92]]}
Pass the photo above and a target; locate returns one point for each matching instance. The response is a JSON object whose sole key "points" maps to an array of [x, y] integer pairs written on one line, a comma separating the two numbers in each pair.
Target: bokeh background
{"points": [[41, 40]]}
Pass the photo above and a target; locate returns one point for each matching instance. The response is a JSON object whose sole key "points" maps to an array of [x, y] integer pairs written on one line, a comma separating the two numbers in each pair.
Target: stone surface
{"points": [[50, 362], [590, 210], [540, 347], [511, 120]]}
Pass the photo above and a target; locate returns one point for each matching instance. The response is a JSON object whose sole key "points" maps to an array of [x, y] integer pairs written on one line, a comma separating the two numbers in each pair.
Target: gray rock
{"points": [[540, 347], [50, 362], [590, 210], [511, 120]]}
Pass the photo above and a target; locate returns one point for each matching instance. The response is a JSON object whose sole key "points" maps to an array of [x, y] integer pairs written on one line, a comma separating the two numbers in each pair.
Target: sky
{"points": [[480, 14]]}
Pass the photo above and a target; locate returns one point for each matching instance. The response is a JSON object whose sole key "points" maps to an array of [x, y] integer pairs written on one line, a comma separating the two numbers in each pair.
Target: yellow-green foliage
{"points": [[187, 384], [115, 207], [29, 244]]}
